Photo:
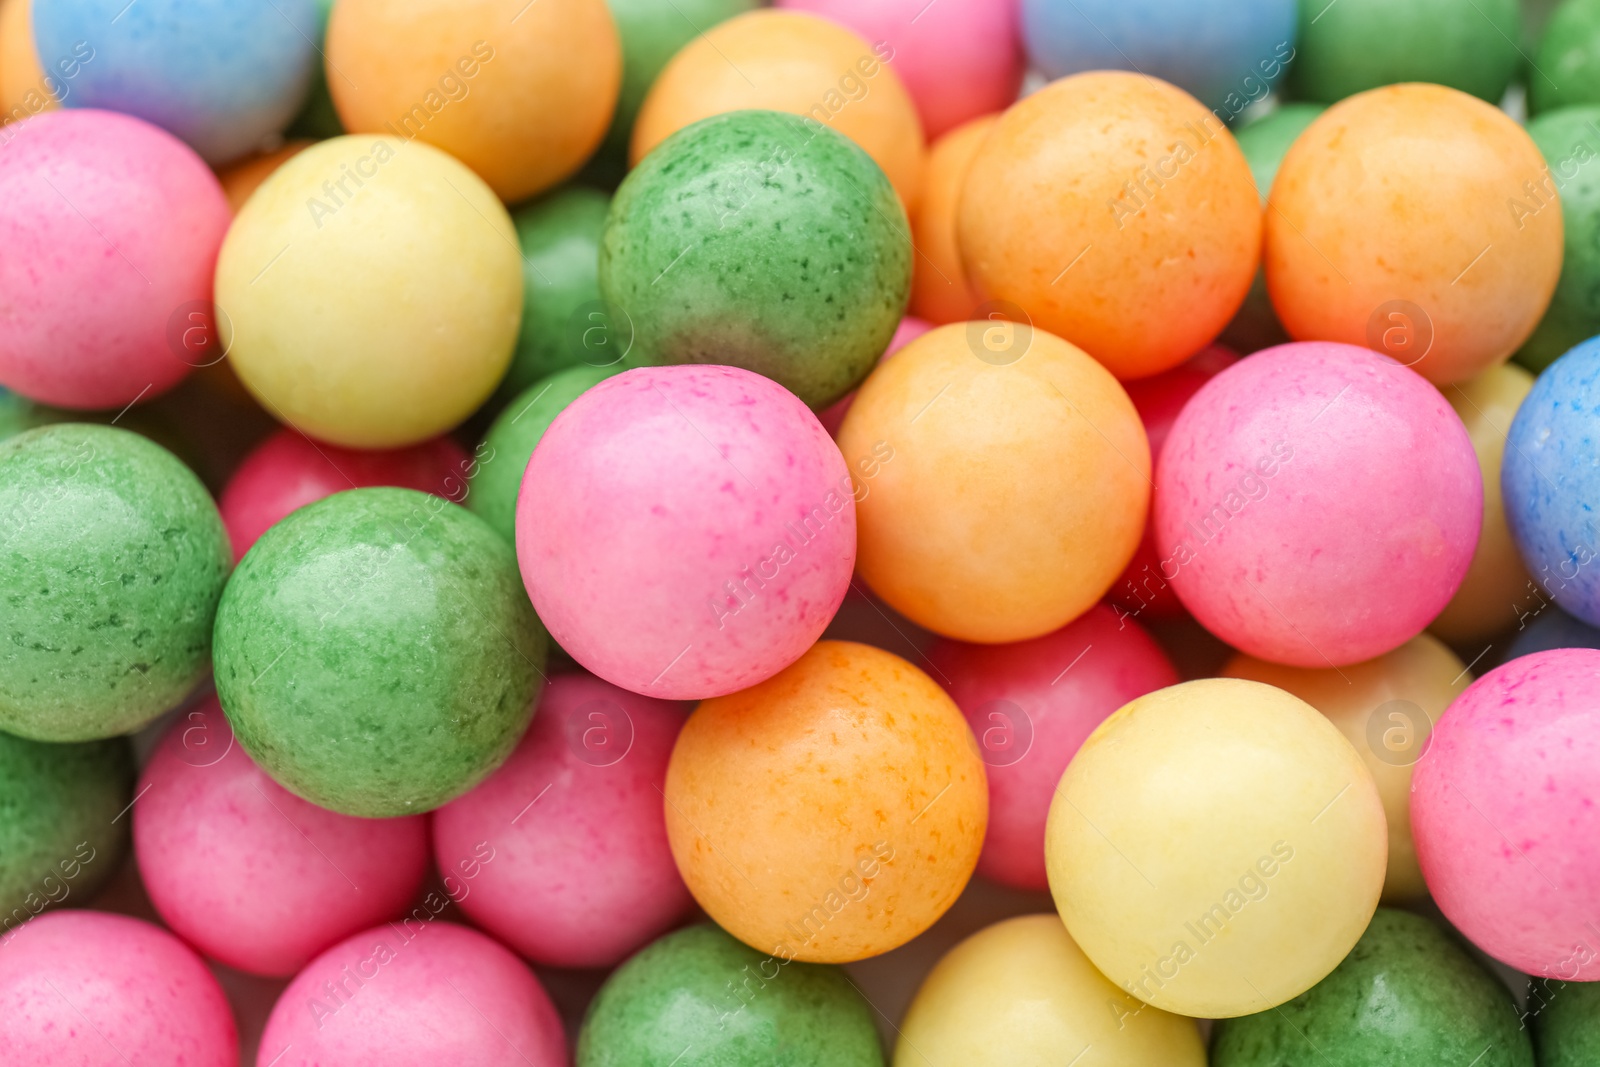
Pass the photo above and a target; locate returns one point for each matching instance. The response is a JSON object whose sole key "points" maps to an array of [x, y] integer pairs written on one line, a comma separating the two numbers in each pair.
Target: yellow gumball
{"points": [[369, 292], [1216, 847], [1386, 708], [1021, 994]]}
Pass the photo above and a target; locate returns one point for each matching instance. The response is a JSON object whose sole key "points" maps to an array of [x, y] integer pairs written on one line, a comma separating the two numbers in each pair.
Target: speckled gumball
{"points": [[376, 654], [833, 244], [113, 558]]}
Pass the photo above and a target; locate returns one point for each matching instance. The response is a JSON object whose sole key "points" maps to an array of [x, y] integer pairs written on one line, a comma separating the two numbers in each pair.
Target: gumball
{"points": [[1288, 527], [702, 997], [246, 176], [111, 229], [1503, 810], [1386, 708], [940, 292], [1567, 53], [92, 988], [375, 652], [1115, 211], [250, 874], [289, 470], [977, 420], [560, 239], [1227, 54], [429, 292], [1202, 829], [1569, 144], [909, 330], [1550, 482], [419, 993], [1406, 993], [18, 413], [1352, 255], [759, 186], [700, 513], [797, 63], [1360, 45], [1496, 581], [790, 863], [220, 75], [959, 60], [1566, 1023], [318, 120], [1021, 992], [61, 831], [521, 93], [1266, 141], [1543, 626], [113, 559], [1030, 705], [24, 89]]}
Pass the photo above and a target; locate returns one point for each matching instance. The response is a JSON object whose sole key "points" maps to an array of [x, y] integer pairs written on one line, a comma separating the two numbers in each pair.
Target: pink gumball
{"points": [[1505, 810], [583, 875], [686, 531], [90, 989], [423, 993], [910, 328], [1031, 705], [1317, 504], [110, 228], [958, 58], [288, 470], [249, 873]]}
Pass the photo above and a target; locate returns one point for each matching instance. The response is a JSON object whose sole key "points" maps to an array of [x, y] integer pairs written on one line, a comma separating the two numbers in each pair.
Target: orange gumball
{"points": [[521, 93], [1419, 221], [790, 61], [832, 812], [242, 178], [24, 90], [1115, 211], [940, 292]]}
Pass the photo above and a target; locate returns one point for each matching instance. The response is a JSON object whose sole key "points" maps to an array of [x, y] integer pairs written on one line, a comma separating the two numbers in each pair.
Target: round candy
{"points": [[428, 284], [61, 831], [560, 239], [582, 875], [909, 330], [1021, 992], [1266, 141], [113, 558], [701, 997], [1386, 708], [25, 88], [519, 92], [1226, 53], [1405, 994], [250, 874], [1503, 807], [1115, 211], [376, 654], [958, 60], [318, 120], [85, 987], [1569, 143], [976, 420], [1564, 72], [221, 75], [794, 62], [759, 186], [1542, 627], [420, 993], [1031, 705], [787, 859], [940, 292], [700, 513], [1361, 44], [111, 229], [1290, 527], [1203, 828], [1353, 255], [1567, 1027], [246, 176]]}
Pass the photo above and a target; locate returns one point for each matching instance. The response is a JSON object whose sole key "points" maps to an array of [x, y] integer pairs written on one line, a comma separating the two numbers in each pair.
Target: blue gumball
{"points": [[1550, 480], [222, 75], [1550, 629], [1227, 53]]}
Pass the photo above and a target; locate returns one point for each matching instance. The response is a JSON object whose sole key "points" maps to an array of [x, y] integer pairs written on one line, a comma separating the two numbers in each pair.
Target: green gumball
{"points": [[1569, 139], [1565, 71], [1565, 1017], [1265, 141], [318, 118]]}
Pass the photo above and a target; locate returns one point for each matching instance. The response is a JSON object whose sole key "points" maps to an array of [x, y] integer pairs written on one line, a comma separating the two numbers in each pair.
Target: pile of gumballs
{"points": [[680, 533]]}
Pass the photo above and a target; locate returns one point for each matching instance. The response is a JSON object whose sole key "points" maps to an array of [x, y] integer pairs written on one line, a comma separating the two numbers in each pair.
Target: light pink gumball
{"points": [[686, 531], [1031, 705], [1317, 504], [90, 989], [289, 471], [110, 228], [958, 58], [414, 994], [249, 873], [910, 328], [1505, 810], [583, 875]]}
